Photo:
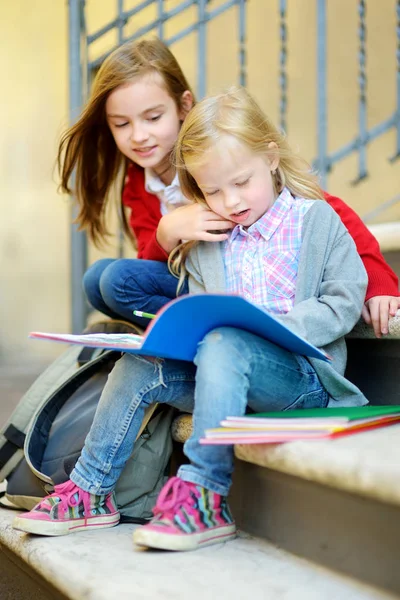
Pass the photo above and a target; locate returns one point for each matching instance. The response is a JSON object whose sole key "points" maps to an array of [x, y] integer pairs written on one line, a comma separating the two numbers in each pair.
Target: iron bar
{"points": [[78, 239], [115, 22], [322, 162], [282, 64], [121, 24], [362, 83], [143, 30], [201, 48], [397, 151], [242, 43]]}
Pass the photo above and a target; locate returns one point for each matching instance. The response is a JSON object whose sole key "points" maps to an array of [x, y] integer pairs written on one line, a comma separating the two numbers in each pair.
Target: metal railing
{"points": [[325, 161], [82, 68]]}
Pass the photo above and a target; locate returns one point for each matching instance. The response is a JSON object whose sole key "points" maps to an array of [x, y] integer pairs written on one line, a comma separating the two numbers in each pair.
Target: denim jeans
{"points": [[235, 369], [117, 287]]}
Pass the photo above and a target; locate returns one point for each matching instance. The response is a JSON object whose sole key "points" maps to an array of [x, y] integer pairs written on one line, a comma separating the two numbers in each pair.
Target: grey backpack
{"points": [[43, 438]]}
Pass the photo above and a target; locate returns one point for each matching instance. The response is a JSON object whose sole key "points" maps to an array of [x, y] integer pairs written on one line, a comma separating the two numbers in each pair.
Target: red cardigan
{"points": [[145, 215]]}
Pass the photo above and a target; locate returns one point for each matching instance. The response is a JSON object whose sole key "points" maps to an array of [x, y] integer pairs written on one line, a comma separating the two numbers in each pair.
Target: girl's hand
{"points": [[191, 222], [377, 310]]}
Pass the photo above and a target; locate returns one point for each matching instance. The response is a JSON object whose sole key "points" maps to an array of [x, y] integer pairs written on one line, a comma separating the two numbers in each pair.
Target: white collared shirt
{"points": [[170, 196]]}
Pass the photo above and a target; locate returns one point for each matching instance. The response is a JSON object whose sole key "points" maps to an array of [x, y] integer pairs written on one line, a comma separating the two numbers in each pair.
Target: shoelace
{"points": [[175, 493], [66, 492]]}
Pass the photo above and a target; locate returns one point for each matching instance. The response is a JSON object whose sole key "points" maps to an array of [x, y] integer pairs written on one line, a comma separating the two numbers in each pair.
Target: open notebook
{"points": [[178, 328]]}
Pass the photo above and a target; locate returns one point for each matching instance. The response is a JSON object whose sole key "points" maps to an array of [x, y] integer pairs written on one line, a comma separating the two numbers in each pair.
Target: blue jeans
{"points": [[235, 369], [117, 287]]}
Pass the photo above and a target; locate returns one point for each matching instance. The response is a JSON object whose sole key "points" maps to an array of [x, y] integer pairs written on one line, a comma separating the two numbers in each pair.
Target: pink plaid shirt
{"points": [[261, 261]]}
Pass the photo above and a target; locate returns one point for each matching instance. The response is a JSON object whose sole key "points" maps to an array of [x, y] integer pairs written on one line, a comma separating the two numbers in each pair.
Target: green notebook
{"points": [[351, 413]]}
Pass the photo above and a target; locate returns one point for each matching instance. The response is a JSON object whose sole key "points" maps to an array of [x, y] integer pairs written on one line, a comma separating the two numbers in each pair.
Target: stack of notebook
{"points": [[301, 424]]}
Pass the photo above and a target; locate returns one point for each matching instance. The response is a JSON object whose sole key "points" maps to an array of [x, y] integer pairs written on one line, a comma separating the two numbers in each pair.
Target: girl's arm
{"points": [[157, 236], [382, 297], [382, 281], [191, 222], [144, 215]]}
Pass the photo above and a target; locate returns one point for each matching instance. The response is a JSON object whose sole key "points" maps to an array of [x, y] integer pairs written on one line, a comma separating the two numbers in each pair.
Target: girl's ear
{"points": [[273, 156], [187, 102]]}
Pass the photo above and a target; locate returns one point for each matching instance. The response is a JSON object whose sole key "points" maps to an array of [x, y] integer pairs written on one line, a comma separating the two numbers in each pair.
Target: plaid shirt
{"points": [[261, 261]]}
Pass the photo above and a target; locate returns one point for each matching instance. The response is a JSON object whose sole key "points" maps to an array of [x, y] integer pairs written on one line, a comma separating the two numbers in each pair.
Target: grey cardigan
{"points": [[330, 292]]}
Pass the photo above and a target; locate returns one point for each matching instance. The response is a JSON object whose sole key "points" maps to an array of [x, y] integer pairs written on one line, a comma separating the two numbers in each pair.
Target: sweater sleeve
{"points": [[330, 312], [382, 281], [144, 215]]}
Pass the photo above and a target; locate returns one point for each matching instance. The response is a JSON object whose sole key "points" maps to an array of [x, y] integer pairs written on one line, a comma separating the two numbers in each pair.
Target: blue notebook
{"points": [[179, 327]]}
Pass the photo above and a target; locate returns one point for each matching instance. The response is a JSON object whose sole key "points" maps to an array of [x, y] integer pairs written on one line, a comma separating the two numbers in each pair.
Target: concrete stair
{"points": [[335, 502], [104, 565], [325, 516]]}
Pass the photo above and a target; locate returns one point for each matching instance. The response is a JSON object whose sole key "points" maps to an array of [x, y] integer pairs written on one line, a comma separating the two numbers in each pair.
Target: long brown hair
{"points": [[89, 145]]}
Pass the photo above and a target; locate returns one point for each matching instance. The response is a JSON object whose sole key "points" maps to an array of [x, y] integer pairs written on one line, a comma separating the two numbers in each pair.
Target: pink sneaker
{"points": [[186, 516], [67, 510]]}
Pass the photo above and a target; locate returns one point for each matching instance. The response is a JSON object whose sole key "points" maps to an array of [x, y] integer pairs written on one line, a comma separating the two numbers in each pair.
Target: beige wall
{"points": [[34, 225], [34, 220]]}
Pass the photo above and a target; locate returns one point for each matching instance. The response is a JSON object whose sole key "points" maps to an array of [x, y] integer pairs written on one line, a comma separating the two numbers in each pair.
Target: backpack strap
{"points": [[15, 441], [86, 355], [126, 519]]}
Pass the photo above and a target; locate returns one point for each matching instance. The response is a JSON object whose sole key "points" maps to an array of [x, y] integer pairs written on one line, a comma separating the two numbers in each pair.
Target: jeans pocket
{"points": [[316, 399]]}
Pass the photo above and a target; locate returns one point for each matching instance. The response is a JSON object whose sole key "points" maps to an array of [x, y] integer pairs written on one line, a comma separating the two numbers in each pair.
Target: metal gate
{"points": [[82, 67]]}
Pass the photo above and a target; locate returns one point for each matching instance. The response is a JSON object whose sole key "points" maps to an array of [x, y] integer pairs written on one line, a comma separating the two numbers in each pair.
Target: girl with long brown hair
{"points": [[125, 135]]}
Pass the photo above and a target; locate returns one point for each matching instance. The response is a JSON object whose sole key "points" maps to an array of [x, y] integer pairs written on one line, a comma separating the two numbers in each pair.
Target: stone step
{"points": [[335, 502], [105, 564], [366, 464]]}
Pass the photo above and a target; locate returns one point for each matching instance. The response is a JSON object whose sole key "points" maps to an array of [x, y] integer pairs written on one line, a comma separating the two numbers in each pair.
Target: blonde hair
{"points": [[235, 113], [89, 145]]}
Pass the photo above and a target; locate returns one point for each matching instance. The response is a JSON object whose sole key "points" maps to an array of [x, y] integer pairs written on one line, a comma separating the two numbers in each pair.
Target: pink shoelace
{"points": [[66, 492], [174, 493]]}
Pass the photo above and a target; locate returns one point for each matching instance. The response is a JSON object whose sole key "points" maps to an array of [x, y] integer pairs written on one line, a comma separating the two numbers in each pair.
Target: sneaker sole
{"points": [[185, 541], [64, 528]]}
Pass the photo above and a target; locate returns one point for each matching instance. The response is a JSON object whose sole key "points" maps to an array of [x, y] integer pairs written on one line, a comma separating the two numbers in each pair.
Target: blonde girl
{"points": [[124, 137], [288, 253]]}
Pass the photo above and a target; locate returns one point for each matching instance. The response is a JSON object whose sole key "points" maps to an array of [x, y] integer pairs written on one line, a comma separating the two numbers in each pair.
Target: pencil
{"points": [[140, 313]]}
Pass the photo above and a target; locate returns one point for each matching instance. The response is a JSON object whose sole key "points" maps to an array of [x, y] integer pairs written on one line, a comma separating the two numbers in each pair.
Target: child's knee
{"points": [[133, 372], [121, 280], [222, 336], [132, 363], [219, 345], [112, 278], [91, 278]]}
